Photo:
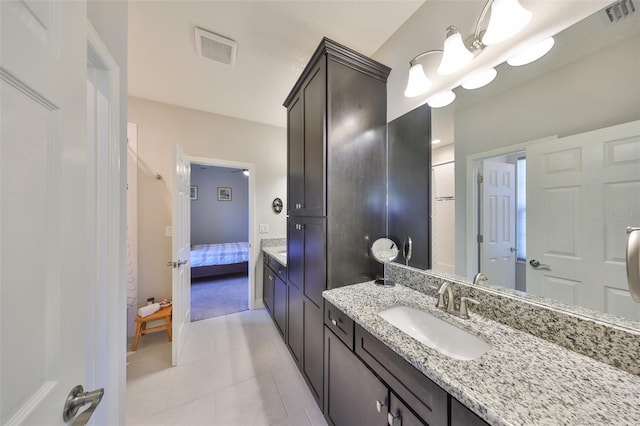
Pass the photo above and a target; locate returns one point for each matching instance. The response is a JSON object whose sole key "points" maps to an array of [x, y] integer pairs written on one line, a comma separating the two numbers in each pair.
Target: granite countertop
{"points": [[279, 253], [521, 380]]}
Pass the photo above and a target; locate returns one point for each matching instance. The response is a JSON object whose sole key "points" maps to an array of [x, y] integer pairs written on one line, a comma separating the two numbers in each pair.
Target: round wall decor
{"points": [[277, 205]]}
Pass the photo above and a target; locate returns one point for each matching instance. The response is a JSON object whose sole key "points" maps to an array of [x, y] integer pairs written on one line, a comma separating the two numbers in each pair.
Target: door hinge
{"points": [[480, 239], [480, 178]]}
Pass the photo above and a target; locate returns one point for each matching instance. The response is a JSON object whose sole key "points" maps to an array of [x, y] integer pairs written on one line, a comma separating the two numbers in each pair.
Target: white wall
{"points": [[214, 221], [202, 135]]}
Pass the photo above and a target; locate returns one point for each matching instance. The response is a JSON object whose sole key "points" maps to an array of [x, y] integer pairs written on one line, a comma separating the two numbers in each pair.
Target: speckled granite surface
{"points": [[522, 380], [612, 340], [278, 253], [273, 242]]}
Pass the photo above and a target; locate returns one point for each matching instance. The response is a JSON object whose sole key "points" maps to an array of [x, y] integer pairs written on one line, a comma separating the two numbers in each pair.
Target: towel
{"points": [[149, 309]]}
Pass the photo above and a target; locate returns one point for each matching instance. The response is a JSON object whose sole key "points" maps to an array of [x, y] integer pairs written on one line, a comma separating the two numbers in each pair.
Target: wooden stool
{"points": [[142, 324]]}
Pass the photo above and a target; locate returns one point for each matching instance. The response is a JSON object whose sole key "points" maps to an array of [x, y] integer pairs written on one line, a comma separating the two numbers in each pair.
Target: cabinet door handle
{"points": [[391, 418], [379, 405]]}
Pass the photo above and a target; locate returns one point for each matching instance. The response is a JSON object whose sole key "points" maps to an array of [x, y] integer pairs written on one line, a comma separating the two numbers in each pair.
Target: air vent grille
{"points": [[620, 9], [215, 47]]}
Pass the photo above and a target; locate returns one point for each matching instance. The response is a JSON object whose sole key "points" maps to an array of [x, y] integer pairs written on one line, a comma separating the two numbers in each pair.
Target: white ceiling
{"points": [[275, 41]]}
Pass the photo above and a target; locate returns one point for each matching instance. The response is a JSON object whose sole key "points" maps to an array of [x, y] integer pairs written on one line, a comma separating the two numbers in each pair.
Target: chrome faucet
{"points": [[480, 277], [450, 306]]}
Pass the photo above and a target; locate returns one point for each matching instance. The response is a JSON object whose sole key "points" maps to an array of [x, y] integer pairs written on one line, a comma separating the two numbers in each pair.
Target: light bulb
{"points": [[533, 53], [455, 55], [508, 17], [418, 82], [441, 99], [480, 79]]}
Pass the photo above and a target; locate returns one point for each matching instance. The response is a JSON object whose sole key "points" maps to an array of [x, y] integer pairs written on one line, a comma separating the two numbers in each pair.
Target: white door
{"points": [[45, 237], [181, 253], [582, 193], [497, 251], [443, 218]]}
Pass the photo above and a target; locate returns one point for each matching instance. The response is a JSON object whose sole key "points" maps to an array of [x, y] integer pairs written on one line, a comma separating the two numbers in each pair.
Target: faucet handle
{"points": [[464, 313]]}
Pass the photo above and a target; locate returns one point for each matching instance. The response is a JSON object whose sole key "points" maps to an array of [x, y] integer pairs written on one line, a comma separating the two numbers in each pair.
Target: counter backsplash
{"points": [[273, 242], [615, 345]]}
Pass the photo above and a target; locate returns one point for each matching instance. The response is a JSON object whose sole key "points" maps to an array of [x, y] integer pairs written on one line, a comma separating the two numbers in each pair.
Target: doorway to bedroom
{"points": [[219, 240]]}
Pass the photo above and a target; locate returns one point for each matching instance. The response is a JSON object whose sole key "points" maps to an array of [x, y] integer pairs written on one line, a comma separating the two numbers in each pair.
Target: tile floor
{"points": [[236, 371]]}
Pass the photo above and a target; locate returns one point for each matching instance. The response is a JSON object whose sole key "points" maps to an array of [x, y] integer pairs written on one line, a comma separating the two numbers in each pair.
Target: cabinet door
{"points": [[294, 324], [312, 351], [400, 415], [409, 183], [462, 416], [306, 256], [295, 252], [352, 391], [280, 306], [314, 129], [315, 253], [268, 280], [295, 175]]}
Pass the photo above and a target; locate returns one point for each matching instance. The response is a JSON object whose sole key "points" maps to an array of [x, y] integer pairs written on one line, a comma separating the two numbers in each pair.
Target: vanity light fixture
{"points": [[507, 19], [245, 172], [456, 55], [533, 53], [441, 99], [435, 141], [418, 82], [480, 79]]}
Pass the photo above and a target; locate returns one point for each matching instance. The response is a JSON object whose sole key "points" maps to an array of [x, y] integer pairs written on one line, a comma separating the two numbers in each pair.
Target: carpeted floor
{"points": [[217, 296]]}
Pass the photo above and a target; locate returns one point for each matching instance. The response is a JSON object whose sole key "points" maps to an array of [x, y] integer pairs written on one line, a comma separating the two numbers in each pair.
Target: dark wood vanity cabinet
{"points": [[336, 183], [275, 293], [409, 171], [306, 133], [268, 282], [280, 305], [353, 394], [312, 349], [295, 321], [462, 416], [363, 375]]}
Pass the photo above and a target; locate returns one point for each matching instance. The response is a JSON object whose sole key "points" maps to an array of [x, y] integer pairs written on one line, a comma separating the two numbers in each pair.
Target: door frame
{"points": [[106, 300], [252, 247], [473, 193]]}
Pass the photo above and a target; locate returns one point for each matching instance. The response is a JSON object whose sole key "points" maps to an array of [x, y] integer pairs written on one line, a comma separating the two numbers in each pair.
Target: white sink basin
{"points": [[435, 333]]}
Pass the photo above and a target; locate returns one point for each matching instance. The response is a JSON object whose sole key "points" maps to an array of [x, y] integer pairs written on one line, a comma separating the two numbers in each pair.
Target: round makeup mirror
{"points": [[384, 250]]}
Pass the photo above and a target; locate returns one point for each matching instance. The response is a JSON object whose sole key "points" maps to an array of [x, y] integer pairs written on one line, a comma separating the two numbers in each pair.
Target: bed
{"points": [[219, 259]]}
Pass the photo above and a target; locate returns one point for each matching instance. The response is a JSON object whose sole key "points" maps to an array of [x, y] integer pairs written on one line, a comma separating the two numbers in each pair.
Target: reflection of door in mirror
{"points": [[443, 217], [583, 191], [497, 223]]}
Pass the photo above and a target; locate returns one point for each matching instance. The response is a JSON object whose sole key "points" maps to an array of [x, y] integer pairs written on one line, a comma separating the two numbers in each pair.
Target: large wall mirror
{"points": [[562, 137]]}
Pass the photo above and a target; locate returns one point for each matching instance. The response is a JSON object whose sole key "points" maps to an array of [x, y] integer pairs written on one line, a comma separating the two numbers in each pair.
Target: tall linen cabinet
{"points": [[336, 189]]}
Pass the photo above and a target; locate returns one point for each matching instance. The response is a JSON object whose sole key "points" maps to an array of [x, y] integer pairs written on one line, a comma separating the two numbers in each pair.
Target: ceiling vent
{"points": [[215, 47], [620, 9]]}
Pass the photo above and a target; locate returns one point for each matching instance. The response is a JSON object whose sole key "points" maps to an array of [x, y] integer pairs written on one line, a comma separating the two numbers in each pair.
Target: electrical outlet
{"points": [[264, 228], [168, 231]]}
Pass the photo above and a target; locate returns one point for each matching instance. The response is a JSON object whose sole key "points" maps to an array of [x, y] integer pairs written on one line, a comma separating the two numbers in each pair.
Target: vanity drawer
{"points": [[278, 268], [339, 323], [428, 400]]}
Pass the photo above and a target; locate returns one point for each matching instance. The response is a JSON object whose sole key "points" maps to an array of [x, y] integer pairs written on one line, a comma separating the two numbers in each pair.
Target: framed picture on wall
{"points": [[193, 193], [224, 193]]}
